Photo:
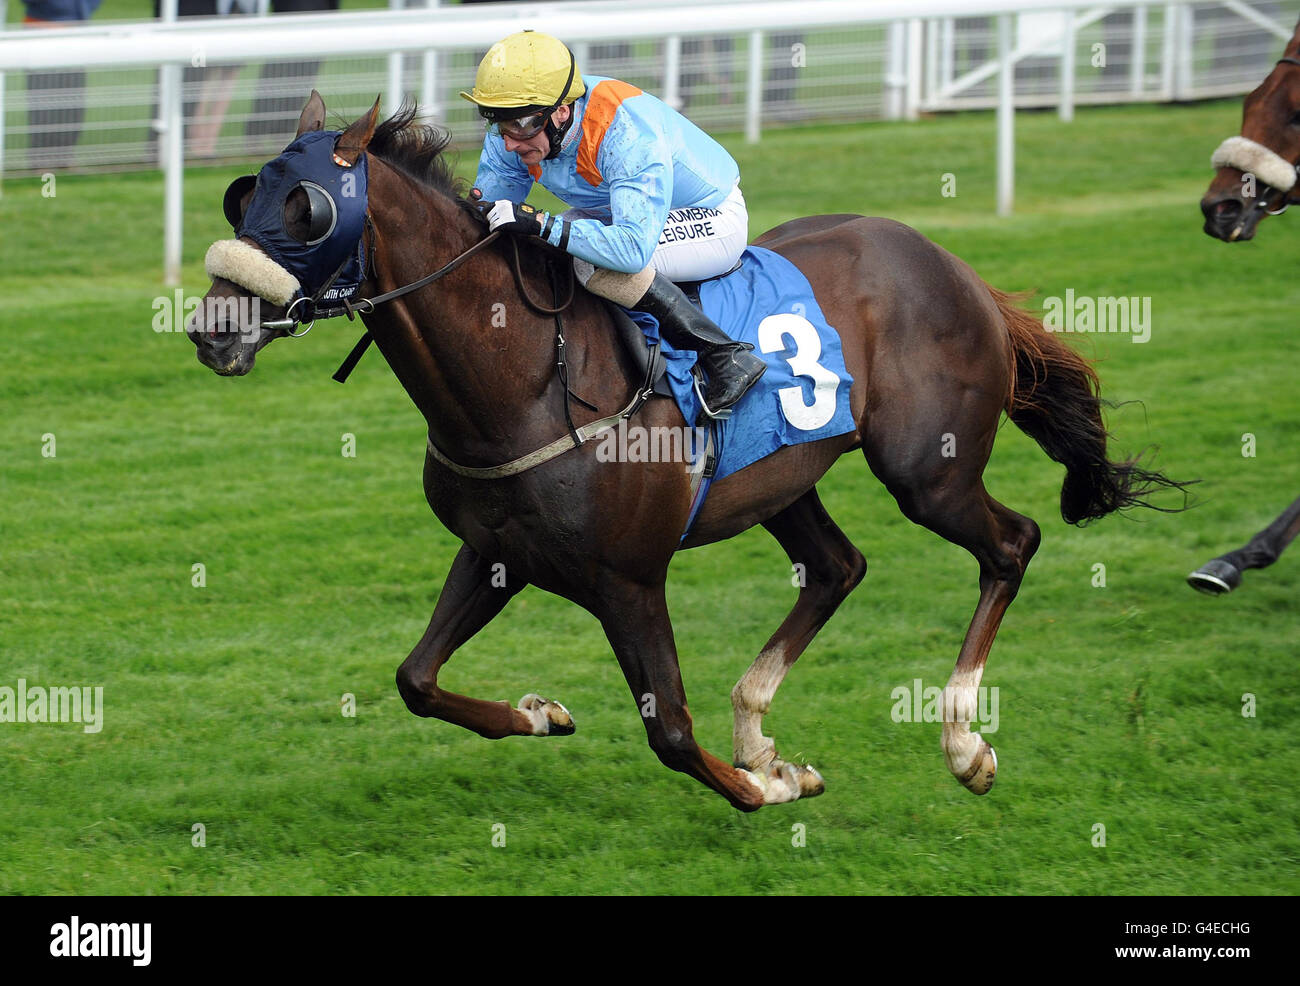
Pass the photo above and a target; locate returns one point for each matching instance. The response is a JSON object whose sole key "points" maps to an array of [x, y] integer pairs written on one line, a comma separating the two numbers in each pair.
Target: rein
{"points": [[577, 435], [367, 305]]}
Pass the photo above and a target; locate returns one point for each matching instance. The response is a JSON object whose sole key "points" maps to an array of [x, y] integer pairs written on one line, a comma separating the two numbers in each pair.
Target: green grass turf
{"points": [[1119, 706]]}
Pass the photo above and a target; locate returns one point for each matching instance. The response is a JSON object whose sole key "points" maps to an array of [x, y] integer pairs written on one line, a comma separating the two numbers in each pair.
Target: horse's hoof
{"points": [[983, 770], [782, 781], [548, 718], [1216, 578], [811, 782]]}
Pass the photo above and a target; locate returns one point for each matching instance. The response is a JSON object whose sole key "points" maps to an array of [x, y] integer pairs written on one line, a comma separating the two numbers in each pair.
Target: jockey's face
{"points": [[535, 148]]}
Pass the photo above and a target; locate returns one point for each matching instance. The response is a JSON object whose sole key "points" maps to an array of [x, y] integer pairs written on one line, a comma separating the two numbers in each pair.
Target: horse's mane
{"points": [[416, 149]]}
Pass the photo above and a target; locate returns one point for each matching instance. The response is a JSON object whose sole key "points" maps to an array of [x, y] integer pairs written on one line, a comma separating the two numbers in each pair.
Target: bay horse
{"points": [[936, 357], [1256, 177]]}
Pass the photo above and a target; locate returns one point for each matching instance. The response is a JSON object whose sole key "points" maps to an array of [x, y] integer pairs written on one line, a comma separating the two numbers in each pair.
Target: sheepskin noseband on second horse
{"points": [[1247, 155], [332, 254]]}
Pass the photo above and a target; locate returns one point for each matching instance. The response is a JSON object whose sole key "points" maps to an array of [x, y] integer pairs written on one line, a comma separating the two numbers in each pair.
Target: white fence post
{"points": [[3, 14], [581, 53], [1167, 52], [754, 94], [1183, 64], [171, 157], [1138, 68], [914, 65], [931, 59], [167, 14], [1006, 118], [949, 47], [394, 90], [673, 71], [2, 126], [895, 70], [430, 95], [1066, 109], [173, 175]]}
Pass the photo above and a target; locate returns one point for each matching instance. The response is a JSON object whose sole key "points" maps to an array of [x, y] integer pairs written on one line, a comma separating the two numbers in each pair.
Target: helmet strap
{"points": [[556, 134]]}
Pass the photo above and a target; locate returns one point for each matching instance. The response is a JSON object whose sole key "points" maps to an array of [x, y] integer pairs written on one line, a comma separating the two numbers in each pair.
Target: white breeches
{"points": [[695, 243]]}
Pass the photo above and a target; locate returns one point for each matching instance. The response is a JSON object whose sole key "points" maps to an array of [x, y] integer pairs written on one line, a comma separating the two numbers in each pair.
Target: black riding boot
{"points": [[731, 367]]}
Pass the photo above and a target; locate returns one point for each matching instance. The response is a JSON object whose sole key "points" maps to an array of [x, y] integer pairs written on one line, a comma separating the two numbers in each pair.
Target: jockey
{"points": [[656, 200]]}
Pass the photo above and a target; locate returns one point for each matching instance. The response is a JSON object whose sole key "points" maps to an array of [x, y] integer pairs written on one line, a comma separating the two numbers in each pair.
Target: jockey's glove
{"points": [[516, 217]]}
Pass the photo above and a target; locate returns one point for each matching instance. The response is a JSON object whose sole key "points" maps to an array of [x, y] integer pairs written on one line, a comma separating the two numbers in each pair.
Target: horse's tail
{"points": [[1054, 400]]}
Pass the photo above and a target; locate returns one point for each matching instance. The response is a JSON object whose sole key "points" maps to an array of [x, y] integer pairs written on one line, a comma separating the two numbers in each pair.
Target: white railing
{"points": [[726, 63]]}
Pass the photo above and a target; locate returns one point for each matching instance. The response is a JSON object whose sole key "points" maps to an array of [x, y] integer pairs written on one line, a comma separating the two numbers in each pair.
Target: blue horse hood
{"points": [[338, 207]]}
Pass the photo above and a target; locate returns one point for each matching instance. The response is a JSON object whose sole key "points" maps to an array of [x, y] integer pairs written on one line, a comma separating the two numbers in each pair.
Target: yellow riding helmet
{"points": [[524, 70]]}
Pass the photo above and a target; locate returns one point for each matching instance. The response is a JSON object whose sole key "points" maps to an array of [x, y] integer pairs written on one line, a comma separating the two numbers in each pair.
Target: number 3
{"points": [[807, 349]]}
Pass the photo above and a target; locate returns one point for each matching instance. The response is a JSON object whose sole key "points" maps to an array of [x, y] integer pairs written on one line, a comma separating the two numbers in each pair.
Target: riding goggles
{"points": [[520, 128]]}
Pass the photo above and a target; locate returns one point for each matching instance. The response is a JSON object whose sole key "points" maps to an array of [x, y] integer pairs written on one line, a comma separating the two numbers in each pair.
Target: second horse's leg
{"points": [[1223, 574]]}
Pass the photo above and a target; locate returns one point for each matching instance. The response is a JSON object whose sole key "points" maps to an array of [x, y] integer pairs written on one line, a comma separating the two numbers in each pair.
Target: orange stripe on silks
{"points": [[603, 103], [536, 171]]}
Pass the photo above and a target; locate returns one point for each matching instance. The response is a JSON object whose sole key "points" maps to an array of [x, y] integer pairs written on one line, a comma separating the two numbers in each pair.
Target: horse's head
{"points": [[1257, 171], [298, 247]]}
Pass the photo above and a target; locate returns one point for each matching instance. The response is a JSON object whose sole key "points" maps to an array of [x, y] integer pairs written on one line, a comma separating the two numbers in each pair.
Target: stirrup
{"points": [[708, 412]]}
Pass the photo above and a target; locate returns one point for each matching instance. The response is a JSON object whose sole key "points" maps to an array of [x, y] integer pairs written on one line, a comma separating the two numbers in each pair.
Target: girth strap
{"points": [[580, 436]]}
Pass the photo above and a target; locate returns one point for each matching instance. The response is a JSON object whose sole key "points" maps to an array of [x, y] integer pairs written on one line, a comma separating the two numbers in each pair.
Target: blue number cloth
{"points": [[803, 396]]}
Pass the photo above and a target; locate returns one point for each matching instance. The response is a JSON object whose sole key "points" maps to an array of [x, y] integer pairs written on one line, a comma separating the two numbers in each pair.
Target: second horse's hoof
{"points": [[1216, 578]]}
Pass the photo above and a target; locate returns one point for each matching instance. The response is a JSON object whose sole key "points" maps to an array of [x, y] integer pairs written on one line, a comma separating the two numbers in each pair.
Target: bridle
{"points": [[1263, 201], [311, 312], [366, 306]]}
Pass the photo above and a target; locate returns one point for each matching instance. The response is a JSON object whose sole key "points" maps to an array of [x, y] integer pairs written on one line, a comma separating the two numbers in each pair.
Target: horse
{"points": [[936, 355], [1264, 154]]}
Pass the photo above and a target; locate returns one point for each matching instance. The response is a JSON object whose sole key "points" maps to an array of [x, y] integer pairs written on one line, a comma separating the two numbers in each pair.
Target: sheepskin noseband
{"points": [[1246, 155], [329, 242], [252, 270]]}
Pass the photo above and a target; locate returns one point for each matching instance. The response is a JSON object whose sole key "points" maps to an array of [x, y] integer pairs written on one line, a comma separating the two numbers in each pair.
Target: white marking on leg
{"points": [[751, 699], [961, 747]]}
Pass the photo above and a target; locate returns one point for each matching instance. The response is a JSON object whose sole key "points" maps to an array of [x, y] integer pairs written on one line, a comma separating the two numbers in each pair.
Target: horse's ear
{"points": [[313, 115], [355, 138]]}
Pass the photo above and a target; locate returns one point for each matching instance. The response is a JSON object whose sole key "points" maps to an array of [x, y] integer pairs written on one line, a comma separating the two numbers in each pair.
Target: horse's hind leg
{"points": [[475, 591], [1003, 542], [831, 566], [1223, 574]]}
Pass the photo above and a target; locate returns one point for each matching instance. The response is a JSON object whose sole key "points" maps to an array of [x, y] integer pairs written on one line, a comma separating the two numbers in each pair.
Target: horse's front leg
{"points": [[635, 619], [475, 592], [1223, 574]]}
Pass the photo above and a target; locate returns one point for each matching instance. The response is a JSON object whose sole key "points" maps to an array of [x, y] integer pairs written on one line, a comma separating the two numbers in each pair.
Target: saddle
{"points": [[646, 357], [648, 361]]}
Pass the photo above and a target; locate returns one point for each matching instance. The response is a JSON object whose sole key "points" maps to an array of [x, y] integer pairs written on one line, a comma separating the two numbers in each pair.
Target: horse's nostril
{"points": [[221, 335], [1223, 210]]}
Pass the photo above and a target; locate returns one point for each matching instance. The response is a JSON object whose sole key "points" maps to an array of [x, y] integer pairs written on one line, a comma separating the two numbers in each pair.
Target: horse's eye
{"points": [[314, 224]]}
